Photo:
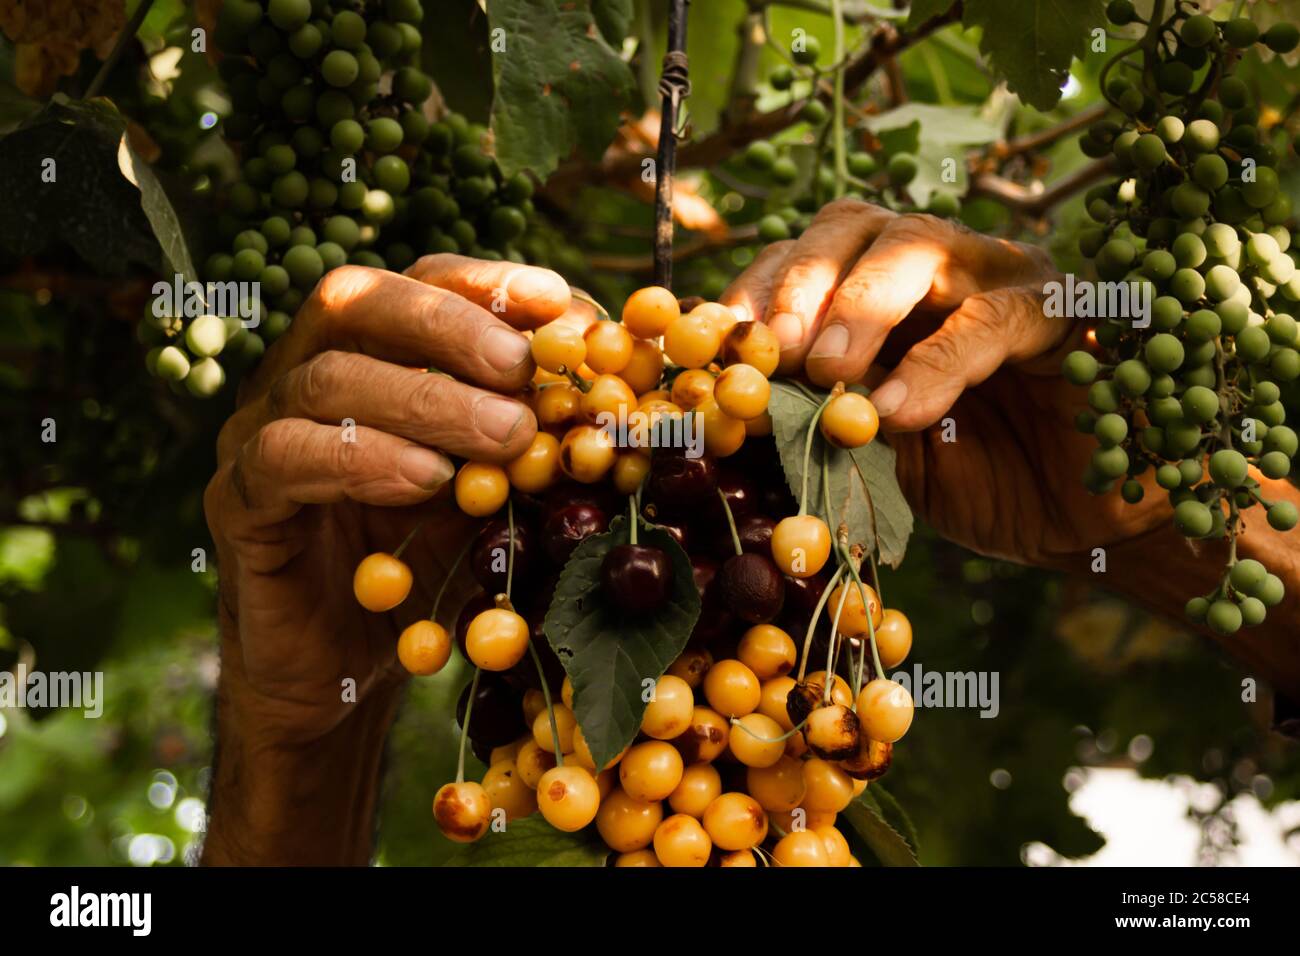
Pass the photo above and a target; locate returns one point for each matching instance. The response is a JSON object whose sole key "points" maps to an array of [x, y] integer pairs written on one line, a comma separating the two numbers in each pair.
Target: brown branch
{"points": [[1046, 137], [1036, 202], [699, 244], [886, 42]]}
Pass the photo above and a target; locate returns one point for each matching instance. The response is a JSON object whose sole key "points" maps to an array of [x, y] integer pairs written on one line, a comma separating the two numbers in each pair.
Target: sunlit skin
{"points": [[291, 505], [947, 323]]}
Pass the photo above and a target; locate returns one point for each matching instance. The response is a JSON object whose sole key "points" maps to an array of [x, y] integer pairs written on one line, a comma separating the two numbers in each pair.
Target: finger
{"points": [[525, 296], [748, 294], [989, 330], [292, 462], [430, 409], [401, 320], [918, 260], [802, 290]]}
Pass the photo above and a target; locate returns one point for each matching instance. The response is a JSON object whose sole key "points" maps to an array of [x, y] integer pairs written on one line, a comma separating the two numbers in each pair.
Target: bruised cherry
{"points": [[569, 526], [636, 577], [755, 533], [752, 587]]}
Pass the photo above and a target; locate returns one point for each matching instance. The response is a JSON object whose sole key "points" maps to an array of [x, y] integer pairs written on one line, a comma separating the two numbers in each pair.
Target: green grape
{"points": [[814, 112], [1189, 200], [1196, 610], [1240, 32], [1284, 364], [1210, 171], [412, 85], [1233, 315], [1168, 477], [1280, 437], [1110, 463], [304, 265], [1253, 611], [339, 68], [384, 135], [347, 136], [1228, 468], [861, 164], [172, 365], [302, 236], [1080, 368], [1282, 329], [322, 194], [1166, 314], [392, 174], [306, 41], [807, 52], [276, 324], [1224, 617], [1281, 517], [1263, 190], [1193, 519], [1159, 265], [1203, 325], [1104, 396], [351, 197], [1281, 37], [342, 231], [1132, 377], [506, 223], [1220, 239], [1189, 250], [1200, 404], [331, 255], [1175, 77], [206, 336], [333, 106], [1132, 491], [405, 11], [218, 267], [1202, 135], [902, 168], [1164, 352], [945, 205], [1252, 344], [1197, 30], [251, 239], [1188, 285], [518, 188], [1110, 429], [205, 378], [289, 15], [1162, 386], [781, 77], [274, 280], [1274, 464], [1148, 151], [1221, 282], [1171, 129], [1247, 575], [247, 265], [348, 30], [378, 206]]}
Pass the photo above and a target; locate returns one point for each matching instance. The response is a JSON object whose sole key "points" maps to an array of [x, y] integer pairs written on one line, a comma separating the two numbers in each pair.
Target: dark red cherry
{"points": [[752, 587], [679, 531], [569, 526], [524, 674], [740, 492], [755, 533], [636, 578], [488, 557], [715, 620], [678, 483], [498, 715]]}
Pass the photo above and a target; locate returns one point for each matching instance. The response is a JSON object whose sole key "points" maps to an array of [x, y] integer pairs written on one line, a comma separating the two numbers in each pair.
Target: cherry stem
{"points": [[576, 380], [871, 624], [510, 559], [464, 729], [409, 538], [807, 453], [451, 573], [632, 516], [812, 625], [550, 707], [600, 309], [735, 722], [731, 522], [830, 648]]}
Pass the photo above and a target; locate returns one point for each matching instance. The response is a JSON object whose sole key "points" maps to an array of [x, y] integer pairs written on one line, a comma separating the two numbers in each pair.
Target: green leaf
{"points": [[1032, 42], [461, 61], [614, 17], [607, 654], [158, 209], [88, 204], [532, 842], [867, 818], [893, 813], [923, 11], [559, 85], [944, 133], [864, 491]]}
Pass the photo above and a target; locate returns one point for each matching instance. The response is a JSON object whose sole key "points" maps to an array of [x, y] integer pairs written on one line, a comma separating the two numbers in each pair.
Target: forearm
{"points": [[1161, 569], [280, 802]]}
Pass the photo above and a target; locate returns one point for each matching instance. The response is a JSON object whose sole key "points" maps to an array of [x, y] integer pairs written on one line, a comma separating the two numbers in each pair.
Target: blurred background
{"points": [[1120, 738]]}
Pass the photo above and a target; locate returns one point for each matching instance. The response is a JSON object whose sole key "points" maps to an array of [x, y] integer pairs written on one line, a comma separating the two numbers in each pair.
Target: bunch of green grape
{"points": [[877, 176], [1197, 217], [339, 163]]}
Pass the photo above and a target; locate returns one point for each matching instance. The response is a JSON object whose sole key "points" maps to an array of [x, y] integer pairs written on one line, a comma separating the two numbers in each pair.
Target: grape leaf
{"points": [[158, 210], [864, 491], [614, 17], [460, 62], [1032, 42], [88, 205], [867, 816], [943, 135], [559, 85], [531, 842], [607, 654], [923, 11]]}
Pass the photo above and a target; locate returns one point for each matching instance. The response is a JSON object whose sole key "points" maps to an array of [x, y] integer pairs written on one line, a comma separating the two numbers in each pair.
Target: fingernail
{"points": [[497, 418], [788, 329], [889, 397], [528, 284], [833, 343], [504, 350], [423, 468]]}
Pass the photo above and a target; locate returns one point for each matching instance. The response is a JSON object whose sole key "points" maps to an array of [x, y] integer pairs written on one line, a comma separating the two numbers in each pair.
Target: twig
{"points": [[123, 38], [699, 244], [674, 86], [1033, 202], [1033, 141]]}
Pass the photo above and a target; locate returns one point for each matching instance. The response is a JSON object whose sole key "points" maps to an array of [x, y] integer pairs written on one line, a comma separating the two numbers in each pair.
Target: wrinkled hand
{"points": [[294, 506], [949, 323]]}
